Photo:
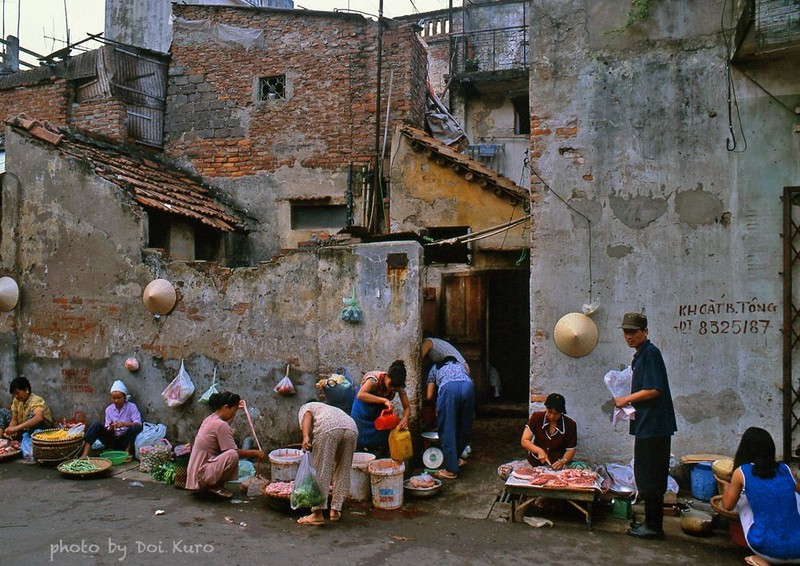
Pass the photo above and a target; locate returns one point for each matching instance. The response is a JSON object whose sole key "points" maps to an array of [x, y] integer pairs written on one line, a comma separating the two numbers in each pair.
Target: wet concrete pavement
{"points": [[47, 519]]}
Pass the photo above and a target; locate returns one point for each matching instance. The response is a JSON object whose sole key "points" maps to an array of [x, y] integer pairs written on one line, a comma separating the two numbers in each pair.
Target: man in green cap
{"points": [[653, 425]]}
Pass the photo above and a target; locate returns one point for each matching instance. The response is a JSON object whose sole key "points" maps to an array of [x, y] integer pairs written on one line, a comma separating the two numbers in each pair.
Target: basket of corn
{"points": [[55, 445], [84, 467]]}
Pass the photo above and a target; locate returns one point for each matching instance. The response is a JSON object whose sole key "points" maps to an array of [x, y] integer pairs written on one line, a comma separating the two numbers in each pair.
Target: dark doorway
{"points": [[508, 325]]}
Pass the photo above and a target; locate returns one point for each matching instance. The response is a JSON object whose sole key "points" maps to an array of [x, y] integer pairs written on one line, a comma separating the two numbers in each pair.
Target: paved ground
{"points": [[47, 519]]}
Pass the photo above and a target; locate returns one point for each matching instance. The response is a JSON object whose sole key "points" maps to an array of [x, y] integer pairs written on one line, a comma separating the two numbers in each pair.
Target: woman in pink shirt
{"points": [[215, 457]]}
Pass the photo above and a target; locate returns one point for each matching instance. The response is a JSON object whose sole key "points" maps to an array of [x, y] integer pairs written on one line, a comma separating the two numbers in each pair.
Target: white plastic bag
{"points": [[285, 385], [211, 390], [151, 433], [179, 390], [619, 384]]}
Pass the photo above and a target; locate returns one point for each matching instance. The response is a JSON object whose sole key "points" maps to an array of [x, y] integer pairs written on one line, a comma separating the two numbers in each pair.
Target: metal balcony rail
{"points": [[491, 50]]}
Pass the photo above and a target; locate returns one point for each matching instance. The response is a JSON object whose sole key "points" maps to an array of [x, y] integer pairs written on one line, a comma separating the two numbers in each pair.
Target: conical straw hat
{"points": [[575, 334], [9, 294], [159, 296]]}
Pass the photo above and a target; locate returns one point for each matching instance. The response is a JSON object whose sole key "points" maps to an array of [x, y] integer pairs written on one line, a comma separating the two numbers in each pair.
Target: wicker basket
{"points": [[53, 452], [181, 469], [716, 505]]}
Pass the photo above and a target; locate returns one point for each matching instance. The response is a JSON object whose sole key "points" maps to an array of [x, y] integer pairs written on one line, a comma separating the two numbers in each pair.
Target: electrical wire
{"points": [[576, 211], [733, 103]]}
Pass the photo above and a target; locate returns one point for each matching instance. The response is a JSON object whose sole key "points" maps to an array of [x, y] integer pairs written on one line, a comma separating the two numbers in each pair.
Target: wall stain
{"points": [[698, 207], [725, 405], [618, 251], [638, 211]]}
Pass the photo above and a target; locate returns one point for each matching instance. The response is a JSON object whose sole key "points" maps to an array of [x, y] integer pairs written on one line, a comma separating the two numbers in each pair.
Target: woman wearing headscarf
{"points": [[122, 425], [215, 457]]}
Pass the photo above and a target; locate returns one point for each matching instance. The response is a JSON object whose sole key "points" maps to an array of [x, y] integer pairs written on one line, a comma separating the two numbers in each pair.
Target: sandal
{"points": [[445, 475], [753, 560], [310, 520], [223, 493], [335, 515]]}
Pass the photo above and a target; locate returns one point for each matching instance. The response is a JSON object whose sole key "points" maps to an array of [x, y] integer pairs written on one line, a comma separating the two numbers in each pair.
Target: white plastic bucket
{"points": [[284, 463], [386, 478], [359, 476]]}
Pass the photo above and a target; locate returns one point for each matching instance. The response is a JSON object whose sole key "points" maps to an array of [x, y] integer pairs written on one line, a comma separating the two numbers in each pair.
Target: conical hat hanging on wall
{"points": [[159, 296], [575, 334], [9, 294]]}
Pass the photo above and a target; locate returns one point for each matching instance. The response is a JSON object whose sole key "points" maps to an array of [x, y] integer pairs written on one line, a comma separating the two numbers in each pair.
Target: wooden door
{"points": [[463, 317]]}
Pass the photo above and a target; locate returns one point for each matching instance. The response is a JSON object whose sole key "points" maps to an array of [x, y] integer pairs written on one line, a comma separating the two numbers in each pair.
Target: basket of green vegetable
{"points": [[84, 467], [165, 473]]}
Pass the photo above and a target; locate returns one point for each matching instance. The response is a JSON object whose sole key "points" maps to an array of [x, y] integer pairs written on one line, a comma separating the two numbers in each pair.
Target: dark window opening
{"points": [[522, 115], [447, 253], [272, 88], [207, 243], [158, 236], [316, 216]]}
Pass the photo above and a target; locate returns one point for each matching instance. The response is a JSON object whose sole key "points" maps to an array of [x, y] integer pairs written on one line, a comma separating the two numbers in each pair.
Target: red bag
{"points": [[387, 420]]}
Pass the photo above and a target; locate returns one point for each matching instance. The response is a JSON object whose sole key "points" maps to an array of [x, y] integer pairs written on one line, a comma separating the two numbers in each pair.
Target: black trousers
{"points": [[651, 468]]}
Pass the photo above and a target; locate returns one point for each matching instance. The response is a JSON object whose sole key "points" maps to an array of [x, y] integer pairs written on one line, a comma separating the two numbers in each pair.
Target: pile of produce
{"points": [[80, 466], [58, 434], [423, 481], [279, 489], [165, 473], [8, 446]]}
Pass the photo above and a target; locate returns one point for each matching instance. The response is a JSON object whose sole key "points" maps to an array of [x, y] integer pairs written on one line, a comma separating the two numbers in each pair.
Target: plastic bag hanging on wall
{"points": [[351, 312]]}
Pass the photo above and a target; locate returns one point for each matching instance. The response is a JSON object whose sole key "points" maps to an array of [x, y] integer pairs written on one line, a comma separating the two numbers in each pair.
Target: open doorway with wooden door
{"points": [[486, 316]]}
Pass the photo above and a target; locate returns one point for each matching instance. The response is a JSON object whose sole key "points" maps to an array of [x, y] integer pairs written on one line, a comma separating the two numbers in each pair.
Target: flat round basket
{"points": [[716, 505], [101, 464], [10, 455], [52, 452]]}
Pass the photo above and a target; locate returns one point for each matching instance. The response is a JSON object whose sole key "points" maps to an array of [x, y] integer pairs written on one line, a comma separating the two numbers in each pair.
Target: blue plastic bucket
{"points": [[704, 486]]}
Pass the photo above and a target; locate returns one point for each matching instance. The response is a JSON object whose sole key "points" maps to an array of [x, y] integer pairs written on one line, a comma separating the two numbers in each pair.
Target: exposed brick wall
{"points": [[105, 117], [42, 101], [328, 119]]}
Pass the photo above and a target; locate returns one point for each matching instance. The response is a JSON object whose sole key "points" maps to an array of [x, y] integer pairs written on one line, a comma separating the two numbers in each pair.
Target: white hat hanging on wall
{"points": [[9, 294], [159, 296], [576, 334]]}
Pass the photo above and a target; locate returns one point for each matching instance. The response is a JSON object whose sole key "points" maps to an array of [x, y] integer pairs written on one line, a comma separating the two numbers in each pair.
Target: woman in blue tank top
{"points": [[767, 497]]}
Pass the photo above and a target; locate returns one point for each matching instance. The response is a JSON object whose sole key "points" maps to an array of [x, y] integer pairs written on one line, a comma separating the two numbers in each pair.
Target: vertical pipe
{"points": [[376, 179]]}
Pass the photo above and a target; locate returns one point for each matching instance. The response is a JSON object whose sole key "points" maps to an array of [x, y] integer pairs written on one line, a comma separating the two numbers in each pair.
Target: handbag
{"points": [[387, 420]]}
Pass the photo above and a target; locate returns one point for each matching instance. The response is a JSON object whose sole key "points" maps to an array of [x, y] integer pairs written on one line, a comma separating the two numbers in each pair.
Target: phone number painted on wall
{"points": [[758, 322]]}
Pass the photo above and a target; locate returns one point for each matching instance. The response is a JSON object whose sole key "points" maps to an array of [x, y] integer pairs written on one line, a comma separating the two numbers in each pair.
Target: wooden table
{"points": [[576, 497]]}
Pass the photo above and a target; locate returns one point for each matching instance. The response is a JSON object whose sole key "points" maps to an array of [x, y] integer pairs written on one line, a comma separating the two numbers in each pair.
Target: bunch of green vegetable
{"points": [[305, 495], [165, 473], [80, 466]]}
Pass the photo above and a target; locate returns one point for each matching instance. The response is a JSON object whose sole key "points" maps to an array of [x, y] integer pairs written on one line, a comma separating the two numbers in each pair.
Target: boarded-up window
{"points": [[310, 216]]}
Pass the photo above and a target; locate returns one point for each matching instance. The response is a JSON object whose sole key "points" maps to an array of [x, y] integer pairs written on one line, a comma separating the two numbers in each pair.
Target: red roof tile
{"points": [[153, 183]]}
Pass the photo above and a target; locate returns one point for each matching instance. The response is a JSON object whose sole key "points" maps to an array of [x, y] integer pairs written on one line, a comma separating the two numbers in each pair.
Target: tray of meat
{"points": [[278, 495], [547, 478], [9, 449], [423, 485]]}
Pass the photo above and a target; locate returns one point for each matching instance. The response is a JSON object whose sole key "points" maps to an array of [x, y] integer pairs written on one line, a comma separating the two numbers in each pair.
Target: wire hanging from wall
{"points": [[576, 211], [730, 143]]}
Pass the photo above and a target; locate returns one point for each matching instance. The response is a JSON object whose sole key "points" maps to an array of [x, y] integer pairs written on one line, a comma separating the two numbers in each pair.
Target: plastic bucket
{"points": [[359, 476], [284, 463], [386, 478], [704, 486]]}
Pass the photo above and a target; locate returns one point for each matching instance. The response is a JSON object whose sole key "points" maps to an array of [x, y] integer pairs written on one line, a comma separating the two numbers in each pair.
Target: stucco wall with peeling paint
{"points": [[658, 216]]}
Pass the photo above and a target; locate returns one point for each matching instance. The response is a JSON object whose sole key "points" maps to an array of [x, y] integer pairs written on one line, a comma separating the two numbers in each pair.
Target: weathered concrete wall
{"points": [[81, 270], [631, 129], [426, 194]]}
